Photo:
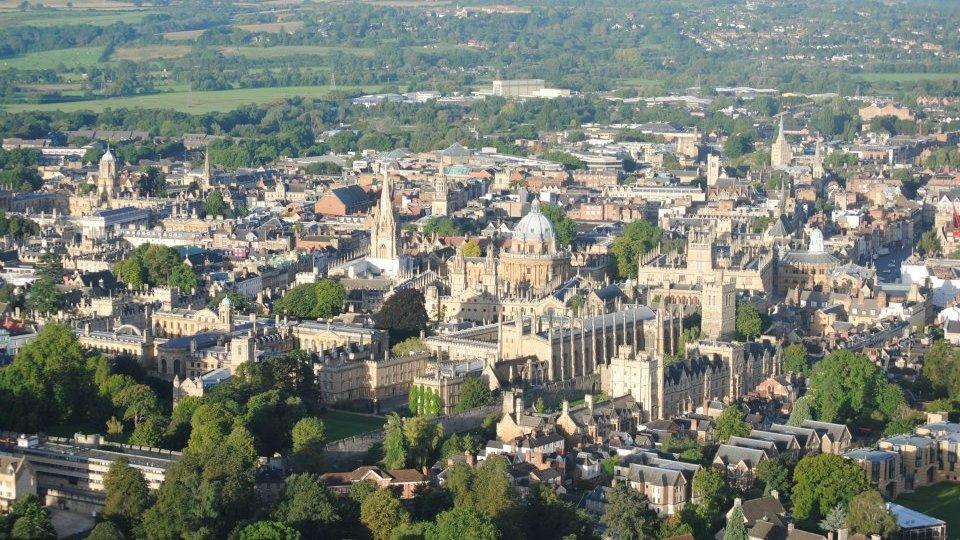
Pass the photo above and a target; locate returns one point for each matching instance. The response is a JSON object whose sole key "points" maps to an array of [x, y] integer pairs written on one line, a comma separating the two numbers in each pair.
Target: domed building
{"points": [[533, 260], [518, 278]]}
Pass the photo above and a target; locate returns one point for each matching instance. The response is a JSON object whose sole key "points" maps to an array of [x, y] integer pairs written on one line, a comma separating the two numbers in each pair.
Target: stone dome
{"points": [[534, 227]]}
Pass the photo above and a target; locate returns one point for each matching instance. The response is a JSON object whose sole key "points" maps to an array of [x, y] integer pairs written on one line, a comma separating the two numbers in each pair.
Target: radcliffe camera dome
{"points": [[534, 227]]}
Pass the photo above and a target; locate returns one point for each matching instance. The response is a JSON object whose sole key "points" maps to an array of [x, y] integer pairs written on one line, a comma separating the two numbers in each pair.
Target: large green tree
{"points": [[49, 383], [774, 475], [268, 530], [127, 495], [563, 226], [941, 369], [868, 515], [320, 300], [309, 438], [154, 265], [749, 322], [308, 506], [330, 297], [628, 515], [474, 392], [731, 423], [44, 295], [548, 516], [423, 436], [823, 481], [403, 315], [106, 530], [29, 520], [208, 490], [464, 524], [736, 526], [394, 443], [381, 512], [215, 206], [637, 238], [847, 387], [795, 359]]}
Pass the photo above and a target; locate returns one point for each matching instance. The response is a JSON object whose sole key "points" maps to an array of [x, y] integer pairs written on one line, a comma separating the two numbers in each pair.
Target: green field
{"points": [[291, 50], [150, 52], [941, 501], [907, 77], [341, 425], [71, 58], [192, 102], [62, 17]]}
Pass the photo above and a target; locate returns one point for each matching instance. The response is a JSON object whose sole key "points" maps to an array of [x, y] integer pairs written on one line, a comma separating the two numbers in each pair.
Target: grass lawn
{"points": [[907, 77], [183, 35], [274, 27], [71, 58], [941, 501], [281, 51], [150, 52], [63, 17], [341, 425], [192, 102]]}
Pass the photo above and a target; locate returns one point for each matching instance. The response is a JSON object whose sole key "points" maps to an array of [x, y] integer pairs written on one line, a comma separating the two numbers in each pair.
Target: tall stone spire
{"points": [[385, 236], [780, 153]]}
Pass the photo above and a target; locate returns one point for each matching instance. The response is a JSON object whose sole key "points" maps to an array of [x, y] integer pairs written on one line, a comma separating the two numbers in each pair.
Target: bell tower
{"points": [[107, 177], [718, 308], [441, 195]]}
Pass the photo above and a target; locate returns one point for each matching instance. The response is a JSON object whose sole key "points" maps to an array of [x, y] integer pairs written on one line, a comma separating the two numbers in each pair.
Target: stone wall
{"points": [[555, 393]]}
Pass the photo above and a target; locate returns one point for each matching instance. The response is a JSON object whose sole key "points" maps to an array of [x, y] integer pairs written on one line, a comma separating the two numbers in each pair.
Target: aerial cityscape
{"points": [[480, 270]]}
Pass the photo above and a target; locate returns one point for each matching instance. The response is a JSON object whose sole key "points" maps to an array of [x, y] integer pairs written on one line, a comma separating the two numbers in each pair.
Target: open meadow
{"points": [[342, 424], [193, 102], [70, 58], [65, 17]]}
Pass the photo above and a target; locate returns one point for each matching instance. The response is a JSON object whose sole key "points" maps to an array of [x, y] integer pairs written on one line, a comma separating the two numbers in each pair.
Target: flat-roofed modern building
{"points": [[517, 87], [70, 472]]}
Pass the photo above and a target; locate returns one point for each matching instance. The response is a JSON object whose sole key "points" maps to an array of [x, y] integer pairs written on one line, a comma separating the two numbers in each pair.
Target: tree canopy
{"points": [[749, 322], [320, 300], [637, 238], [823, 481], [563, 226], [474, 392], [628, 515], [153, 265], [847, 387], [731, 424], [403, 315]]}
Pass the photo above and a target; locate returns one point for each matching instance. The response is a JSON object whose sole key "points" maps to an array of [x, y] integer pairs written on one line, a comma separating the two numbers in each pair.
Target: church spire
{"points": [[780, 152], [385, 236]]}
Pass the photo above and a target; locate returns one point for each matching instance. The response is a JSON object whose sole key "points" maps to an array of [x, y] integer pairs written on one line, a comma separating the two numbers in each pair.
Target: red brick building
{"points": [[344, 201], [403, 482]]}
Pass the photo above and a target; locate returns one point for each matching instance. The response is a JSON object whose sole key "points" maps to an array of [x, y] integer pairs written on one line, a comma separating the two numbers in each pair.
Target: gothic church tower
{"points": [[385, 235], [780, 153]]}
